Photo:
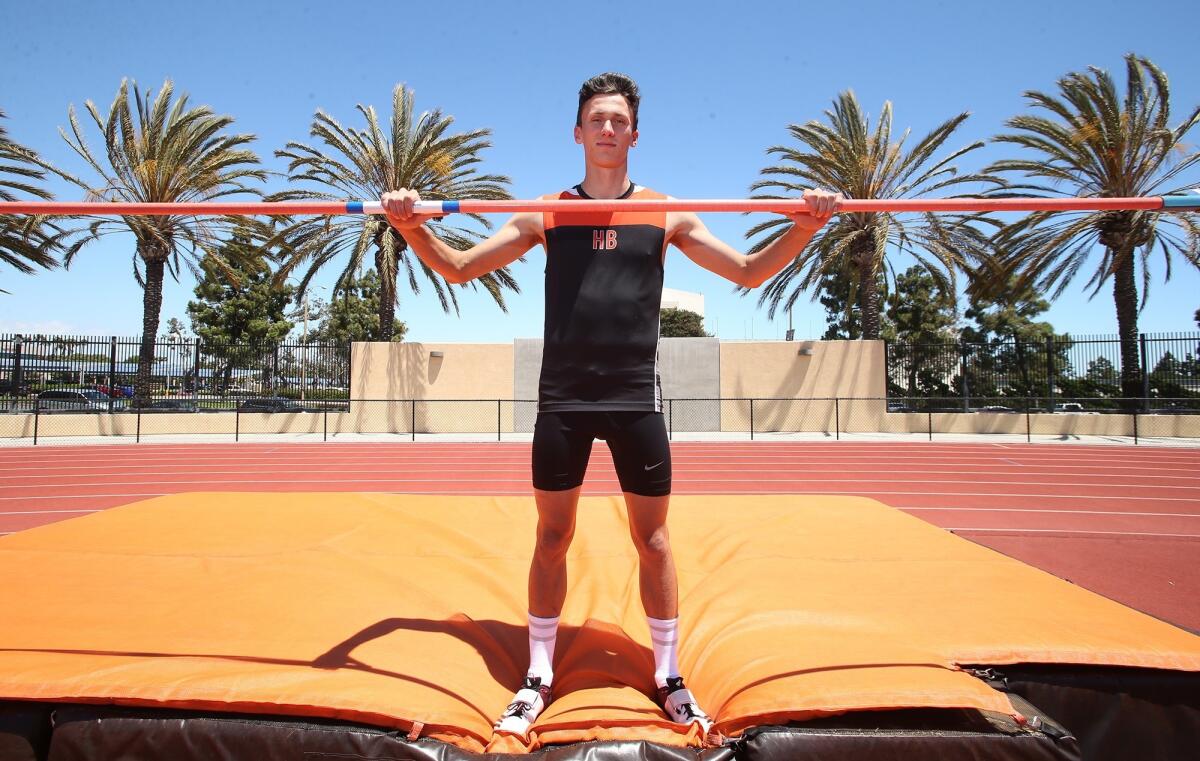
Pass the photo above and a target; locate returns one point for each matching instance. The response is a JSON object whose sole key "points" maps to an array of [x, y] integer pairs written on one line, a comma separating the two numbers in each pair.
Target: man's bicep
{"points": [[695, 240], [514, 238]]}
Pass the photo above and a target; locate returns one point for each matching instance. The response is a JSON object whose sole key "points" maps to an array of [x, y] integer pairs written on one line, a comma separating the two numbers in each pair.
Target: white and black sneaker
{"points": [[680, 705], [527, 705]]}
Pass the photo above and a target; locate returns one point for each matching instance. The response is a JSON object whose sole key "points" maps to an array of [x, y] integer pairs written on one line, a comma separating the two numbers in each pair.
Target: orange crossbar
{"points": [[101, 208]]}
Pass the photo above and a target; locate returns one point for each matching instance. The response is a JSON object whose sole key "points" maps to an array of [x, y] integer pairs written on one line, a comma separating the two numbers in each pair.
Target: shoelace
{"points": [[517, 709]]}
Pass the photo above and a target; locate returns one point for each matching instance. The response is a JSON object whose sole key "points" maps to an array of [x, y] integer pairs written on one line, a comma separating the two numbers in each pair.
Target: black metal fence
{"points": [[1055, 370], [98, 373], [1172, 421]]}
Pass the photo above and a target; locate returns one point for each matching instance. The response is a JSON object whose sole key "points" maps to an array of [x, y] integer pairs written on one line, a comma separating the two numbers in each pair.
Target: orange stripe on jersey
{"points": [[604, 219]]}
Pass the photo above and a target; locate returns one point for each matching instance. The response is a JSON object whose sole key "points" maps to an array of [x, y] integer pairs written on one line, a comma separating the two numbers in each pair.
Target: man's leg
{"points": [[648, 527], [560, 456], [642, 455]]}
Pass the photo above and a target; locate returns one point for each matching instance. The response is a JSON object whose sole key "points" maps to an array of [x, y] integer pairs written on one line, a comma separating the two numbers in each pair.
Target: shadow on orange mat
{"points": [[408, 612]]}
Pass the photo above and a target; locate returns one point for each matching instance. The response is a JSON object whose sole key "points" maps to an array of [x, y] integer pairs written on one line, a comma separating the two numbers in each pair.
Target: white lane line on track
{"points": [[1069, 531], [682, 473], [598, 484], [50, 512], [1049, 511], [456, 479]]}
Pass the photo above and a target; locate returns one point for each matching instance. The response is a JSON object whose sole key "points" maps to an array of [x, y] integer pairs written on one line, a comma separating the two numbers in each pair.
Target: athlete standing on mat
{"points": [[599, 380]]}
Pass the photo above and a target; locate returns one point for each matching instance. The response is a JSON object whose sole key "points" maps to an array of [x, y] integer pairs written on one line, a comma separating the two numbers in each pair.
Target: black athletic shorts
{"points": [[562, 444]]}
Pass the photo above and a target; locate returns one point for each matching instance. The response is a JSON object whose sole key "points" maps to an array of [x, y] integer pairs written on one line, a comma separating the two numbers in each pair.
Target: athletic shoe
{"points": [[527, 705], [680, 705]]}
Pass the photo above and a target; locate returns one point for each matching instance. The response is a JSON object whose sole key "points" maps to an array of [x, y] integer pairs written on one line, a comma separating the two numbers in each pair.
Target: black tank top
{"points": [[604, 280]]}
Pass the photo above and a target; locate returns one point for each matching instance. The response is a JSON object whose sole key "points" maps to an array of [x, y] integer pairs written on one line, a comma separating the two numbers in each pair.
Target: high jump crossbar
{"points": [[1182, 202]]}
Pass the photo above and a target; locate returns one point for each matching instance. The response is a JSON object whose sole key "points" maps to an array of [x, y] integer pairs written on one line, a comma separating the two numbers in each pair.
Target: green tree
{"points": [[1008, 345], [848, 156], [239, 311], [26, 241], [416, 152], [921, 319], [680, 323], [1092, 141], [353, 314], [163, 152]]}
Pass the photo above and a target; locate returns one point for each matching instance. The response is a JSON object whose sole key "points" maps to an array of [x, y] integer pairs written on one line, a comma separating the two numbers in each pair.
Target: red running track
{"points": [[1121, 521]]}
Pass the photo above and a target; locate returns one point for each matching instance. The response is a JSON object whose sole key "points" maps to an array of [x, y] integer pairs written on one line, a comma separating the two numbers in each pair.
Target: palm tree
{"points": [[171, 154], [848, 156], [418, 152], [1093, 142], [26, 242]]}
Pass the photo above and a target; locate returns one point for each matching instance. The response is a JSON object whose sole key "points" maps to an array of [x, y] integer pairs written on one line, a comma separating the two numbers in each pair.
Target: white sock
{"points": [[542, 634], [664, 636]]}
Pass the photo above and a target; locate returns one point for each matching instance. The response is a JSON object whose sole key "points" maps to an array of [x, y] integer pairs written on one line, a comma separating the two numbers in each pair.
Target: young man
{"points": [[599, 379]]}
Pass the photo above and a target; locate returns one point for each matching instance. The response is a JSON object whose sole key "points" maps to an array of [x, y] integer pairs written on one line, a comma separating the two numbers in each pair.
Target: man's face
{"points": [[606, 132]]}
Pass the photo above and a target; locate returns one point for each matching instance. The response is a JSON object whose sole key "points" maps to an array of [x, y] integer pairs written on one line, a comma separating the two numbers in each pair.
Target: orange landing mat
{"points": [[409, 611]]}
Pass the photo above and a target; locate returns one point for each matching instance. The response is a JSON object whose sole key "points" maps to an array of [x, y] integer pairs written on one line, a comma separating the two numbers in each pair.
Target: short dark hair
{"points": [[609, 83]]}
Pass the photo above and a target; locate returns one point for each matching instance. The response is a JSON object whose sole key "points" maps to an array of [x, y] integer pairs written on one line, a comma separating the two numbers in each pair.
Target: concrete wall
{"points": [[382, 373], [787, 370]]}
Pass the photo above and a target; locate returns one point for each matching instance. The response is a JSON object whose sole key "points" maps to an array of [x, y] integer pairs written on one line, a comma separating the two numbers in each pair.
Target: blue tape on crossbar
{"points": [[1188, 201], [450, 207], [354, 207]]}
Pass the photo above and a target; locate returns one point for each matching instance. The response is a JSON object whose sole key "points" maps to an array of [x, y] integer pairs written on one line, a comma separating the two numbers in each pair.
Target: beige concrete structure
{"points": [[776, 373], [385, 375]]}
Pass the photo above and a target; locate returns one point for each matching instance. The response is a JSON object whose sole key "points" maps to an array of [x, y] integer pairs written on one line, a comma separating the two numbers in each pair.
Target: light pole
{"points": [[304, 341]]}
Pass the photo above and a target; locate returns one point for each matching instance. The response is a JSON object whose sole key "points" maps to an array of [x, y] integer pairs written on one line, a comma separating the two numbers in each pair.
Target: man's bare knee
{"points": [[654, 546], [553, 542]]}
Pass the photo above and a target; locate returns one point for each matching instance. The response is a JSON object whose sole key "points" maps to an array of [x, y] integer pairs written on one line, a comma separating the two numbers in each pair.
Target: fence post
{"points": [[1135, 427], [966, 386], [196, 371], [1049, 374], [497, 420], [929, 414], [1145, 375], [837, 418], [325, 422], [671, 419], [1028, 424], [37, 408], [137, 439], [413, 427], [18, 350], [752, 419], [237, 419], [112, 372]]}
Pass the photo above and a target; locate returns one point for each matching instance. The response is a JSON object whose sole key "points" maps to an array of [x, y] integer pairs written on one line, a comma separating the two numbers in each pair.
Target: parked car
{"points": [[77, 400], [995, 408], [270, 404], [1068, 407], [116, 392]]}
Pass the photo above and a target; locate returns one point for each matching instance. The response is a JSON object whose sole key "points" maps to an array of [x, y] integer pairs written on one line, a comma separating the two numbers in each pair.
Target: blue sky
{"points": [[720, 83]]}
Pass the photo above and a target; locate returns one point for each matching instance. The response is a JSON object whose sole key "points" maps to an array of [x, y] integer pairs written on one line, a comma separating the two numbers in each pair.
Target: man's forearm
{"points": [[763, 265], [445, 261]]}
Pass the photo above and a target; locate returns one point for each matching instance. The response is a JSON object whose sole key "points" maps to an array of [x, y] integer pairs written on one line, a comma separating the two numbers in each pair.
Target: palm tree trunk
{"points": [[387, 295], [1126, 297], [151, 308], [868, 301]]}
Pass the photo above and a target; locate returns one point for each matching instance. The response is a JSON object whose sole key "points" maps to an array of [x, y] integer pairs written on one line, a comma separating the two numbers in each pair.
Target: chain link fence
{"points": [[1173, 421], [1055, 370], [89, 373]]}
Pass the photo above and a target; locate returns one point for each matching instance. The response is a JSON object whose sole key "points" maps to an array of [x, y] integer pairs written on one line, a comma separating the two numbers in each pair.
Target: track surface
{"points": [[1121, 521]]}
